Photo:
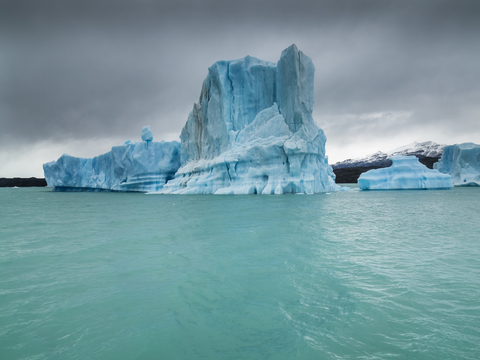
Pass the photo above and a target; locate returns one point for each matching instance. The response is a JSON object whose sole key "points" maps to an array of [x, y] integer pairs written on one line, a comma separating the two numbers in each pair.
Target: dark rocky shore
{"points": [[22, 182], [350, 175]]}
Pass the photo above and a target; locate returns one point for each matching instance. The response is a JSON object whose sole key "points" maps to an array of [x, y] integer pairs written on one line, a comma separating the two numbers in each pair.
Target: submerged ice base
{"points": [[462, 163], [143, 166], [406, 173], [252, 131]]}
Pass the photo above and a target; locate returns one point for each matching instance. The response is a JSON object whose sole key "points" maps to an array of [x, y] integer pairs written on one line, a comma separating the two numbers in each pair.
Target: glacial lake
{"points": [[350, 275]]}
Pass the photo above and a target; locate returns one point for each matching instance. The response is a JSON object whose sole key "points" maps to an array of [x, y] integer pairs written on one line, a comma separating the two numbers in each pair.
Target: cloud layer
{"points": [[386, 72]]}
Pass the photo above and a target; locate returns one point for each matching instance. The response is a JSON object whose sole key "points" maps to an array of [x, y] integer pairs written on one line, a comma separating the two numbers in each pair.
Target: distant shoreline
{"points": [[345, 175], [23, 182]]}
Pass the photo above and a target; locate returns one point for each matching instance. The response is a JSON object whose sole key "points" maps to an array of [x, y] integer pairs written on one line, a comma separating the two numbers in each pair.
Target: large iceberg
{"points": [[143, 166], [252, 131], [462, 162], [405, 173]]}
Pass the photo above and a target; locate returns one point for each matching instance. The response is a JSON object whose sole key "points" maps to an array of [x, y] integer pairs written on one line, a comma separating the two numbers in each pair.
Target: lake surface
{"points": [[350, 275]]}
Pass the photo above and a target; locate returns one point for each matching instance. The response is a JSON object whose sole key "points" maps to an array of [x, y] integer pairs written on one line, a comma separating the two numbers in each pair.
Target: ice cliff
{"points": [[252, 131], [141, 166], [405, 173], [462, 162]]}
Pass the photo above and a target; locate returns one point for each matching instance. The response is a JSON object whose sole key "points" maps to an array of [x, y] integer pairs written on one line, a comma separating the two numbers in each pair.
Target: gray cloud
{"points": [[90, 69]]}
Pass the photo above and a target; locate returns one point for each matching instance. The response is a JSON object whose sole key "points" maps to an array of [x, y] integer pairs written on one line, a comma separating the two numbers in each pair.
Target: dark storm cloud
{"points": [[104, 68]]}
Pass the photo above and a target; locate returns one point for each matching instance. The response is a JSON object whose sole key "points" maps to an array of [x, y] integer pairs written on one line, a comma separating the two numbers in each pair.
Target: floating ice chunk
{"points": [[406, 172], [462, 162]]}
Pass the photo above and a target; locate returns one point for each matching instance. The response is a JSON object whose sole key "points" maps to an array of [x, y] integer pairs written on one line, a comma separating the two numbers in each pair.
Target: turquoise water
{"points": [[357, 275]]}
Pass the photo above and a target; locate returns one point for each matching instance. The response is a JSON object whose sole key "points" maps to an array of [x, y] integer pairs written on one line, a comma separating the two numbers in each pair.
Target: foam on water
{"points": [[372, 275]]}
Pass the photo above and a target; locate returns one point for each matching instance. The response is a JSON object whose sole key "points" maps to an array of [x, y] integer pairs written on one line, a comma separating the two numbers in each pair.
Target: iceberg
{"points": [[143, 166], [462, 162], [405, 173], [252, 131]]}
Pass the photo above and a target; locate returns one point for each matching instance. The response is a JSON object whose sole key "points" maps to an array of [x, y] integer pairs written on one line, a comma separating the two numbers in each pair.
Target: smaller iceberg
{"points": [[143, 166], [406, 173], [462, 163]]}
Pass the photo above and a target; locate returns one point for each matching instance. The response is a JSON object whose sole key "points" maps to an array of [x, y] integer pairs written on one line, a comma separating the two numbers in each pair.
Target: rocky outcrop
{"points": [[22, 182]]}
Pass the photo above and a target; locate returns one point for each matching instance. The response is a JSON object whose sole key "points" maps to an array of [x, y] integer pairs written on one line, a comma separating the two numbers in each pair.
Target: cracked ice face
{"points": [[462, 162]]}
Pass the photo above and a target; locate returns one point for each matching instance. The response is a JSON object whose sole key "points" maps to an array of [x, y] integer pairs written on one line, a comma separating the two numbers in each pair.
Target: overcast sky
{"points": [[78, 77]]}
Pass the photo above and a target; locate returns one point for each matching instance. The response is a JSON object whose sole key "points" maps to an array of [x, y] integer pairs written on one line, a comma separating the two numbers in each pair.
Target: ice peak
{"points": [[295, 76], [147, 134], [293, 49]]}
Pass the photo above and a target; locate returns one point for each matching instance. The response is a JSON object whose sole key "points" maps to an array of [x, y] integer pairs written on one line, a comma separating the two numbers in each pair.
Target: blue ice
{"points": [[252, 131], [462, 162], [406, 172], [143, 166]]}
